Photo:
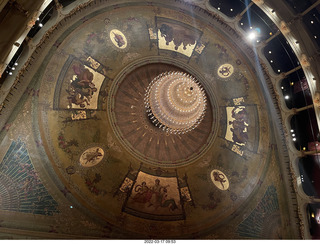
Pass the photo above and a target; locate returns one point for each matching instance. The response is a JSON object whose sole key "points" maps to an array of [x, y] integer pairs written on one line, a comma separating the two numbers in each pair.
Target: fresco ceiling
{"points": [[94, 157]]}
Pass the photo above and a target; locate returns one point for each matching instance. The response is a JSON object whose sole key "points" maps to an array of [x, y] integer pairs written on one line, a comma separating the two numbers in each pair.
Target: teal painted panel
{"points": [[20, 186], [252, 226]]}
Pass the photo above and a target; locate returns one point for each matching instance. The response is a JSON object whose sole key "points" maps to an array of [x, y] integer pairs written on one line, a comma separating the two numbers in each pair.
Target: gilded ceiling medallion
{"points": [[91, 157], [219, 179], [225, 70], [118, 39]]}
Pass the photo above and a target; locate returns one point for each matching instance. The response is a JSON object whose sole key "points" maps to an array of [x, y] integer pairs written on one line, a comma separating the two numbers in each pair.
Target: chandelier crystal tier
{"points": [[175, 102]]}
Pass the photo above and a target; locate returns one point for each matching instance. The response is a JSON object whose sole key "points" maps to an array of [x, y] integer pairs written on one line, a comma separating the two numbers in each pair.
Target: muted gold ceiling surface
{"points": [[96, 146]]}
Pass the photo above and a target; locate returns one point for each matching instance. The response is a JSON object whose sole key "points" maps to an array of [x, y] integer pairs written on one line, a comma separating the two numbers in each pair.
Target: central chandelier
{"points": [[175, 102]]}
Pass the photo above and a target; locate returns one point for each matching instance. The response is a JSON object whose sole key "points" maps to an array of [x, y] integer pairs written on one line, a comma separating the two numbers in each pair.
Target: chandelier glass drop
{"points": [[175, 102]]}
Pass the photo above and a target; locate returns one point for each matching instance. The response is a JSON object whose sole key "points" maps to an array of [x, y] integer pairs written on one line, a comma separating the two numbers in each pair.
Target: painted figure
{"points": [[143, 193], [82, 87], [225, 71], [167, 202], [155, 196], [240, 125], [92, 156], [177, 36], [219, 177], [118, 39]]}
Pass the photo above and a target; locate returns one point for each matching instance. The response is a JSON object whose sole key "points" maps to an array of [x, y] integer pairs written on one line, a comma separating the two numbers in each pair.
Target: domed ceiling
{"points": [[95, 148]]}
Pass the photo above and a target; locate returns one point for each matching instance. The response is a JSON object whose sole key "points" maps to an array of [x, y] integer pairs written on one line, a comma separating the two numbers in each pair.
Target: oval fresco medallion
{"points": [[91, 157], [225, 70], [219, 179], [118, 39]]}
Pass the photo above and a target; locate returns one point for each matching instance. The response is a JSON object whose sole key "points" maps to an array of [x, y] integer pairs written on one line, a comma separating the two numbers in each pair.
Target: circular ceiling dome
{"points": [[170, 101], [175, 102], [107, 153]]}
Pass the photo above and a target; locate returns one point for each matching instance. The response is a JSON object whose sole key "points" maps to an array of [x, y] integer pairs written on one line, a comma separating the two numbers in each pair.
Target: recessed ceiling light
{"points": [[315, 37], [294, 139], [40, 25], [269, 52], [292, 83], [231, 9], [10, 73], [271, 61], [15, 64], [252, 35], [251, 27], [292, 130], [218, 8], [241, 23], [279, 70], [286, 97], [282, 89], [311, 21]]}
